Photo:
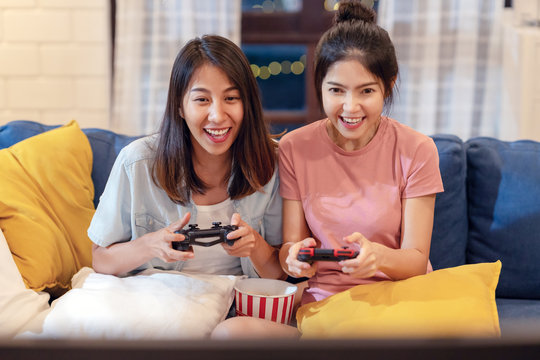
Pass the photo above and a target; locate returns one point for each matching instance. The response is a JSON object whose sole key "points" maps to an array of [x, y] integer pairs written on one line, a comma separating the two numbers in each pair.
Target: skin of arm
{"points": [[296, 234], [409, 260], [120, 258], [263, 256]]}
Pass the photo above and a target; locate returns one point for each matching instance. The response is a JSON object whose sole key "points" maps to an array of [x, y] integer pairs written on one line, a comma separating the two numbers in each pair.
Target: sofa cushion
{"points": [[518, 313], [46, 206], [503, 187], [457, 301], [449, 240]]}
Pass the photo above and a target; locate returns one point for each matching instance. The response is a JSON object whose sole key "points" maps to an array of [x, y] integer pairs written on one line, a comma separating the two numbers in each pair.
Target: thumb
{"points": [[309, 242]]}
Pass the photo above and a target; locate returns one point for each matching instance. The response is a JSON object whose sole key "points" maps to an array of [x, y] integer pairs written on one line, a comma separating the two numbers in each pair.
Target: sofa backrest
{"points": [[449, 239], [105, 146], [490, 209], [503, 189]]}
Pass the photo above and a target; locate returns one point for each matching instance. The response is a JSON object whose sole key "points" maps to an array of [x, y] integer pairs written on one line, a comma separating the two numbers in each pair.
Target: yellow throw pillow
{"points": [[452, 302], [46, 194]]}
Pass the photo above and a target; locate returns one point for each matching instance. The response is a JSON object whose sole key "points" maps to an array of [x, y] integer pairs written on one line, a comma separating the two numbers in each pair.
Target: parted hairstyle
{"points": [[253, 151], [356, 35]]}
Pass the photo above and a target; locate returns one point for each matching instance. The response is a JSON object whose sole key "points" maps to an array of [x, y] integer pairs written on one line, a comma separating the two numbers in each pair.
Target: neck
{"points": [[350, 144], [213, 170]]}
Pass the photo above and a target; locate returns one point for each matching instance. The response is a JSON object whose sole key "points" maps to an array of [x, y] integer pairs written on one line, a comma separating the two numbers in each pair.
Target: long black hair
{"points": [[253, 151]]}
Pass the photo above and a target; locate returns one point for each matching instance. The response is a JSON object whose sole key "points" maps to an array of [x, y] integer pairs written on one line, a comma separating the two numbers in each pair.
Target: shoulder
{"points": [[407, 138], [301, 136], [140, 150]]}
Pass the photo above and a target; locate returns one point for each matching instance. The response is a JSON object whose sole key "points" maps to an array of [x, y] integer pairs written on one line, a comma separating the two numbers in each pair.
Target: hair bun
{"points": [[354, 10]]}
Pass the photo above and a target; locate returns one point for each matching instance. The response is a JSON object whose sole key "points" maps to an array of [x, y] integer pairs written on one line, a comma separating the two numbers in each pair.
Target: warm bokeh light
{"points": [[297, 67], [274, 67], [265, 73], [331, 5], [256, 70], [286, 67]]}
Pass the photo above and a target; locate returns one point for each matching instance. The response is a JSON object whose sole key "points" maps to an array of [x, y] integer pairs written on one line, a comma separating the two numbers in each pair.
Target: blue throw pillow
{"points": [[449, 240], [503, 186]]}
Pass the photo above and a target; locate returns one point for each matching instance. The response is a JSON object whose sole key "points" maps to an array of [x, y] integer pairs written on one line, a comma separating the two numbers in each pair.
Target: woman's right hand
{"points": [[299, 268], [159, 243]]}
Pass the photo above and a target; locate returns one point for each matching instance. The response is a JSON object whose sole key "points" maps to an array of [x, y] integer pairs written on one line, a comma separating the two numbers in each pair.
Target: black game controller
{"points": [[309, 254], [194, 233]]}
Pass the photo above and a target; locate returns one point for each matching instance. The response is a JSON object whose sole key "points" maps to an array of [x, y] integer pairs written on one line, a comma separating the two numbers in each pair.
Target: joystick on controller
{"points": [[193, 233]]}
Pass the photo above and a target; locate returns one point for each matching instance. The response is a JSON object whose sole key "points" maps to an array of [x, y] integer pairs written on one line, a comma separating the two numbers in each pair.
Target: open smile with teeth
{"points": [[217, 132], [352, 121]]}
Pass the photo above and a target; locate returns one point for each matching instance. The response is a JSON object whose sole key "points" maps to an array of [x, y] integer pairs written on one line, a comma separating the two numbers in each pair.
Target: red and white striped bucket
{"points": [[265, 298]]}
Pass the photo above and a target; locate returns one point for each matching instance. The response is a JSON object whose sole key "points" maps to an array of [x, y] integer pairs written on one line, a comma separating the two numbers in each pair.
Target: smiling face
{"points": [[213, 111], [353, 100]]}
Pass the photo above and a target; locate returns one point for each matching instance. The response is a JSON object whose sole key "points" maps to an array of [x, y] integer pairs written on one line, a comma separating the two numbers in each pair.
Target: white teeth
{"points": [[217, 132], [351, 120]]}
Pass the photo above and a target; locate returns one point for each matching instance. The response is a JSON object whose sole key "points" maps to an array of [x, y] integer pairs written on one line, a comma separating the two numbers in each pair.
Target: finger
{"points": [[239, 233], [236, 219], [309, 242], [177, 255], [355, 237], [179, 224]]}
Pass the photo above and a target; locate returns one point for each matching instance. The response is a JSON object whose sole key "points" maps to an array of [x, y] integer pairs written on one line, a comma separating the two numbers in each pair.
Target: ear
{"points": [[181, 112]]}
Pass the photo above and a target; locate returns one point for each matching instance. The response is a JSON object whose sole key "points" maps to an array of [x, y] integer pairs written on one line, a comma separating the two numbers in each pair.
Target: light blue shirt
{"points": [[132, 205]]}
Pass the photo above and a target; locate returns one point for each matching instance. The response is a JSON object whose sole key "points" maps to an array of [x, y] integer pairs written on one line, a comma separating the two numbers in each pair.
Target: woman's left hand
{"points": [[247, 241], [367, 262]]}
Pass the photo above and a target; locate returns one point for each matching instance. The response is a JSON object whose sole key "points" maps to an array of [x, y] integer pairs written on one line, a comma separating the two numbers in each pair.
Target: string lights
{"points": [[275, 68]]}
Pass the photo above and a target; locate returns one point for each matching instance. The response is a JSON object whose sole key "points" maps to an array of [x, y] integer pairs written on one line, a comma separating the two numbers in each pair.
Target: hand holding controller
{"points": [[309, 254], [193, 233]]}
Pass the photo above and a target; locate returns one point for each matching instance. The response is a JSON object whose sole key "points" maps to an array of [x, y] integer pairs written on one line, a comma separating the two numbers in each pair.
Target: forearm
{"points": [[119, 258], [265, 260], [401, 264]]}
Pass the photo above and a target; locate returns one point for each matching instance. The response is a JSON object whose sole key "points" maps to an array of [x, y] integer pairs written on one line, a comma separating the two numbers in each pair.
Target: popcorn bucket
{"points": [[265, 298]]}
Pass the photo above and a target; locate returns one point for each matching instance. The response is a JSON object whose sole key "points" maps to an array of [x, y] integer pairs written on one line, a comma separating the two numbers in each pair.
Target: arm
{"points": [[411, 258], [296, 234], [120, 258], [263, 256]]}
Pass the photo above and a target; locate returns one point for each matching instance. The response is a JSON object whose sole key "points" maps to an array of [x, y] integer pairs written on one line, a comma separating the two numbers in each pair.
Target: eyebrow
{"points": [[361, 86], [207, 91]]}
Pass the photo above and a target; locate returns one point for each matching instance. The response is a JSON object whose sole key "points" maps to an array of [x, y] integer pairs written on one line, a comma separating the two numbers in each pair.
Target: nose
{"points": [[217, 112], [351, 103]]}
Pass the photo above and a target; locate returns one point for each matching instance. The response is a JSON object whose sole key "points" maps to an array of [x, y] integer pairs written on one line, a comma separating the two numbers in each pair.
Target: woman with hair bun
{"points": [[356, 179]]}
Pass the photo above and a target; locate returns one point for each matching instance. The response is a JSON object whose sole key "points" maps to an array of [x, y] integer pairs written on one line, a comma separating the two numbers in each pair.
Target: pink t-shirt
{"points": [[355, 191]]}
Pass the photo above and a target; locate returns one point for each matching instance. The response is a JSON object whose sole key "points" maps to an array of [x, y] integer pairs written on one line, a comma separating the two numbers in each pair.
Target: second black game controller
{"points": [[309, 254], [193, 233]]}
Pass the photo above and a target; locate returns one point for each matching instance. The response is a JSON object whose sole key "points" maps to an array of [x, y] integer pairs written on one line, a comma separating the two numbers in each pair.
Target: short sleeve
{"points": [[112, 220], [272, 215], [288, 187], [424, 176]]}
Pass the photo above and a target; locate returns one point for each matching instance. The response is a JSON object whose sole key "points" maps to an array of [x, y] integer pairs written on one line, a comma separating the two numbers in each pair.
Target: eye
{"points": [[200, 99], [368, 91], [232, 98], [335, 90]]}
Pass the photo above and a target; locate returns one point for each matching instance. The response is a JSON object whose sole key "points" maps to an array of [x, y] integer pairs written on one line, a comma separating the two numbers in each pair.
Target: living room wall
{"points": [[55, 61]]}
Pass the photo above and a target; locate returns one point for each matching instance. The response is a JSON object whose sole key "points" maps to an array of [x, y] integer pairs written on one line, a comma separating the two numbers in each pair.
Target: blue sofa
{"points": [[490, 209]]}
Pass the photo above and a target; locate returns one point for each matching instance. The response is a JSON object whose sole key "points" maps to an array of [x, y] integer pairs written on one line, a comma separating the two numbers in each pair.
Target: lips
{"points": [[351, 122], [218, 135]]}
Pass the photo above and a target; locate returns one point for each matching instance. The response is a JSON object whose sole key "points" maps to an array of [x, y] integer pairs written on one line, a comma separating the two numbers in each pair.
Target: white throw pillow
{"points": [[152, 305], [21, 309]]}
